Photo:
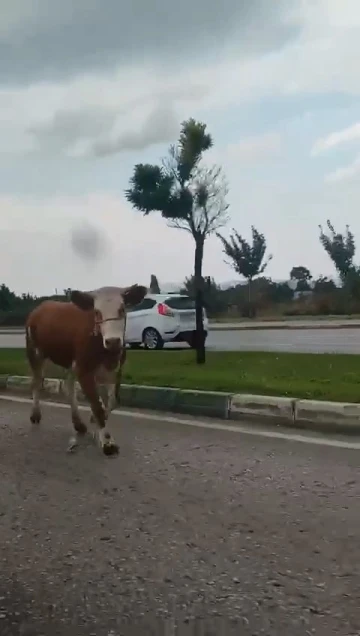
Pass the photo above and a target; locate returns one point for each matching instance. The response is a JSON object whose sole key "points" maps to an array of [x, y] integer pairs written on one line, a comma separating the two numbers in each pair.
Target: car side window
{"points": [[147, 303]]}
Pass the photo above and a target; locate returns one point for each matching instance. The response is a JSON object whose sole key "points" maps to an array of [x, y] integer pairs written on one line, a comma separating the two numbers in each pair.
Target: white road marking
{"points": [[245, 429]]}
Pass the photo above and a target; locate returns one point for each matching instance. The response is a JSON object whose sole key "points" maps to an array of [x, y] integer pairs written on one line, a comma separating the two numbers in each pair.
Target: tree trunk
{"points": [[250, 309], [199, 301]]}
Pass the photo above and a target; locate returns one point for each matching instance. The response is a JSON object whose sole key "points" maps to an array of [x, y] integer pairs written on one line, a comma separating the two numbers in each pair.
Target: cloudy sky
{"points": [[90, 88]]}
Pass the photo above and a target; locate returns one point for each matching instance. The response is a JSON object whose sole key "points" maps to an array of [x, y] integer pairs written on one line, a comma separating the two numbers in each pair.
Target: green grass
{"points": [[311, 376]]}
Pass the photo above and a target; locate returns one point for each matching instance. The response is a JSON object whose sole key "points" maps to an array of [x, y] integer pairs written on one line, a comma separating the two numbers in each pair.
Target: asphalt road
{"points": [[295, 340], [255, 535]]}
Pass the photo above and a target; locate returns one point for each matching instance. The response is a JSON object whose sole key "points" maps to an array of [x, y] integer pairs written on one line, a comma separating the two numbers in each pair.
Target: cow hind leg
{"points": [[36, 362], [88, 385], [35, 414], [79, 426]]}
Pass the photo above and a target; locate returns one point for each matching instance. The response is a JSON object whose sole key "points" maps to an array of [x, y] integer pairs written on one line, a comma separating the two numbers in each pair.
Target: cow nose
{"points": [[113, 343]]}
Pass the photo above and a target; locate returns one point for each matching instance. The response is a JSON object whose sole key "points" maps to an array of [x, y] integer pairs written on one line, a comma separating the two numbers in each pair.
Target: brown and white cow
{"points": [[86, 337]]}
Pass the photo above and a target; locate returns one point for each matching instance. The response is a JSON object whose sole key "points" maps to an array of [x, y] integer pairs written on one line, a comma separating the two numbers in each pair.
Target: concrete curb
{"points": [[290, 412], [283, 326]]}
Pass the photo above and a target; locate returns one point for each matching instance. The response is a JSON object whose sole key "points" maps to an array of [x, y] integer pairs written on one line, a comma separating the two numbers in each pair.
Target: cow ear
{"points": [[82, 300], [134, 295]]}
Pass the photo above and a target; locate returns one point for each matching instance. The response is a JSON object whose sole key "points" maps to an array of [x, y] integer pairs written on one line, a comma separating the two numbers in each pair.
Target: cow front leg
{"points": [[108, 383], [104, 396], [108, 397], [79, 426], [88, 385]]}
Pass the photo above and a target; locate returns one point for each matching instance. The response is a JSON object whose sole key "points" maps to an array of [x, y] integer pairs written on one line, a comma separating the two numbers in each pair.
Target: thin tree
{"points": [[246, 258], [189, 195], [154, 285], [340, 248]]}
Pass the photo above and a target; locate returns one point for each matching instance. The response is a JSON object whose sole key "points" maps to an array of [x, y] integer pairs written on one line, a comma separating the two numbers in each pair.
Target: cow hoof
{"points": [[73, 444], [110, 448], [35, 417]]}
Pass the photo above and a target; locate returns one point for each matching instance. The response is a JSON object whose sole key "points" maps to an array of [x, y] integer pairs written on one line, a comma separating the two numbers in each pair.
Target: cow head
{"points": [[109, 305]]}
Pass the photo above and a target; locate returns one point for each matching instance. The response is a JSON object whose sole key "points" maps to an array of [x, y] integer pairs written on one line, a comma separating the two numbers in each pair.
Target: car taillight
{"points": [[164, 310]]}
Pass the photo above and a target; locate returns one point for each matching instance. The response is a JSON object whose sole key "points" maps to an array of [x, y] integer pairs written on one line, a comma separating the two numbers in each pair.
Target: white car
{"points": [[162, 318]]}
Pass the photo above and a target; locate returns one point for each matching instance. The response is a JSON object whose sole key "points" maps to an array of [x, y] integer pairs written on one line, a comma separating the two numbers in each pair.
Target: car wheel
{"points": [[152, 339]]}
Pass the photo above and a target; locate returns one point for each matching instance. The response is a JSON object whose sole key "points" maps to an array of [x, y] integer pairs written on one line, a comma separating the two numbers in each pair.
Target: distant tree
{"points": [[27, 298], [154, 285], [324, 285], [281, 293], [189, 195], [340, 248], [189, 287], [213, 299], [302, 275], [351, 284], [7, 298], [247, 259]]}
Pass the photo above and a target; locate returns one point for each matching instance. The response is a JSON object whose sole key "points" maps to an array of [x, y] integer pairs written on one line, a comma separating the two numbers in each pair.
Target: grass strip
{"points": [[333, 377]]}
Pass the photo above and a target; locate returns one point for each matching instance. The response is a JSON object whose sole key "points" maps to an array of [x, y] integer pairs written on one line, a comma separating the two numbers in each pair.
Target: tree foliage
{"points": [[247, 259], [7, 298], [300, 273], [340, 248], [186, 193], [14, 309], [280, 293], [324, 285], [213, 297]]}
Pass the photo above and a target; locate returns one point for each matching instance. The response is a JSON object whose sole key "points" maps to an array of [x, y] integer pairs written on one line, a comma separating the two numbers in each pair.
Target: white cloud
{"points": [[248, 153], [129, 109], [342, 137], [345, 173], [349, 134], [255, 149], [103, 100], [161, 126], [121, 99]]}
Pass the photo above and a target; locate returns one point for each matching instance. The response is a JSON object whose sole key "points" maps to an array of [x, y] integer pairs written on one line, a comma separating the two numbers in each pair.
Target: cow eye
{"points": [[98, 316]]}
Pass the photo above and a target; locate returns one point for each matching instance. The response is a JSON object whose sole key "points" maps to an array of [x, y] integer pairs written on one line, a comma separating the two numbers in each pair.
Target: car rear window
{"points": [[146, 303], [180, 302]]}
